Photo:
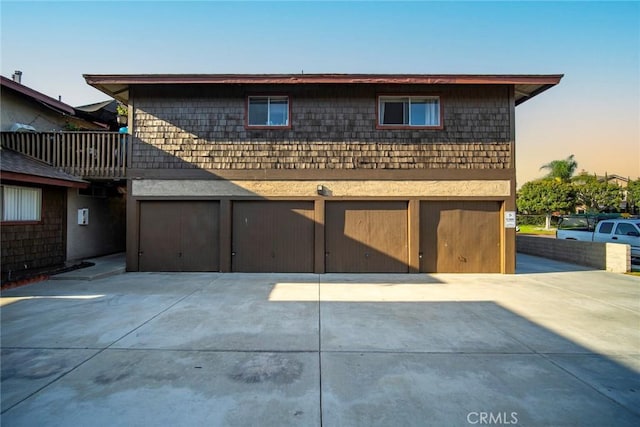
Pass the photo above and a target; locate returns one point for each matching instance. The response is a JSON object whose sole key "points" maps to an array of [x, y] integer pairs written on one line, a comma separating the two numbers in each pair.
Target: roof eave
{"points": [[39, 179], [117, 85], [536, 92]]}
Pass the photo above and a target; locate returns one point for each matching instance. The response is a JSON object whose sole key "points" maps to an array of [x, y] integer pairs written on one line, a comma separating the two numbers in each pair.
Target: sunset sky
{"points": [[594, 113]]}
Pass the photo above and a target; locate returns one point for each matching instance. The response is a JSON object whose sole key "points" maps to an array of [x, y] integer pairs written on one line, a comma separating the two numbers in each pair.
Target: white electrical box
{"points": [[83, 216]]}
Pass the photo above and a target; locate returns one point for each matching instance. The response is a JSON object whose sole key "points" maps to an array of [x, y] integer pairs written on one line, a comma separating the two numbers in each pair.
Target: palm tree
{"points": [[561, 170]]}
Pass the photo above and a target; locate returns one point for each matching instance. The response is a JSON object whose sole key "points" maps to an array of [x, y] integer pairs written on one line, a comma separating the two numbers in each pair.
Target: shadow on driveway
{"points": [[560, 348]]}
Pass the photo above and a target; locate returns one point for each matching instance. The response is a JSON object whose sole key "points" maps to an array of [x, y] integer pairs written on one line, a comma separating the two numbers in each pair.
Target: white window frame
{"points": [[407, 98], [268, 124], [21, 204]]}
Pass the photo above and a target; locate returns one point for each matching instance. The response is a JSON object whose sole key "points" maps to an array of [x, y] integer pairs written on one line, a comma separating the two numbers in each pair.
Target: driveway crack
{"points": [[100, 351]]}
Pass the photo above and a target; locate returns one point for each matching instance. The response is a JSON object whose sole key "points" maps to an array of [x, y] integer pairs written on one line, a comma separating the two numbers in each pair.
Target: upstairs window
{"points": [[409, 111], [21, 204], [268, 111]]}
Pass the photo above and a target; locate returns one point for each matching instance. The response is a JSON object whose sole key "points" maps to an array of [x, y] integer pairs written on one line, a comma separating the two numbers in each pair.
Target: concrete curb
{"points": [[106, 266]]}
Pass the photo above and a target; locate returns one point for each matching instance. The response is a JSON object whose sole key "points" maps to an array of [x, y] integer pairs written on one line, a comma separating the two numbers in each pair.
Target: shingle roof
{"points": [[14, 165]]}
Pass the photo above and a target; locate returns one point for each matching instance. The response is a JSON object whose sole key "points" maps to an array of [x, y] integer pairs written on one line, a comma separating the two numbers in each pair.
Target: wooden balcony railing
{"points": [[98, 155]]}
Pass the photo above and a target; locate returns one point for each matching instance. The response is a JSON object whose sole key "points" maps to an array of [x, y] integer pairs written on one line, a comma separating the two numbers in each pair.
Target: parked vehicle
{"points": [[602, 229]]}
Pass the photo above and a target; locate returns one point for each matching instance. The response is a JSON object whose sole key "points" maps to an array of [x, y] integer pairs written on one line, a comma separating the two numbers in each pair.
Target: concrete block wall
{"points": [[612, 257], [332, 127], [618, 257]]}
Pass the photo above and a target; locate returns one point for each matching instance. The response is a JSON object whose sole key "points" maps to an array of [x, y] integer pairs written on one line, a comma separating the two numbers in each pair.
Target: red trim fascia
{"points": [[34, 179], [403, 127], [22, 222], [246, 112], [126, 79]]}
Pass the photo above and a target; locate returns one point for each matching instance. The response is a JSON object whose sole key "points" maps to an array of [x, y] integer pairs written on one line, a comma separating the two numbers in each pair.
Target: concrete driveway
{"points": [[555, 344]]}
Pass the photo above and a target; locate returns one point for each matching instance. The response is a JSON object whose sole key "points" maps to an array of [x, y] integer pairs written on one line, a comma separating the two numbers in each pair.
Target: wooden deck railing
{"points": [[100, 155]]}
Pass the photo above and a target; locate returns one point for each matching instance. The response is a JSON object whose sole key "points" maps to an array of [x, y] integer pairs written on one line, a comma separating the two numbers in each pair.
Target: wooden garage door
{"points": [[179, 236], [366, 237], [273, 236], [460, 237]]}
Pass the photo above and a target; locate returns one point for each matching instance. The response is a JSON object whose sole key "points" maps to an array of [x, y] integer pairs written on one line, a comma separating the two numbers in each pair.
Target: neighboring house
{"points": [[322, 173], [23, 108], [102, 112], [34, 125], [34, 206], [618, 180], [621, 182], [613, 179]]}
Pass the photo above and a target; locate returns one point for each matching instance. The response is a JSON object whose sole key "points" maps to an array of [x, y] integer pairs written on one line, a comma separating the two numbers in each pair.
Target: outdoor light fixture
{"points": [[321, 190]]}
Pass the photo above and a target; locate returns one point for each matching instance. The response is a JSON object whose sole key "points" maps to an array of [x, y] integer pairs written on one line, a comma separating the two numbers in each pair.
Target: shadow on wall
{"points": [[263, 235], [105, 231], [205, 125], [533, 264], [199, 132]]}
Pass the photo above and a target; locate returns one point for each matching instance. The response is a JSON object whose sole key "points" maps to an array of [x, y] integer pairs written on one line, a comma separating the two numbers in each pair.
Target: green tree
{"points": [[633, 196], [546, 196], [561, 170], [597, 195]]}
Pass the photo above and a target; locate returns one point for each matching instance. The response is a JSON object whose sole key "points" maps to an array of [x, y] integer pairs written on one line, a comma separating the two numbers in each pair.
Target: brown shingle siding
{"points": [[37, 245], [332, 128], [229, 155]]}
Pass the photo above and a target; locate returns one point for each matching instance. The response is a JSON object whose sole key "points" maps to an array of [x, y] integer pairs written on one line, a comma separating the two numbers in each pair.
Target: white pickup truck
{"points": [[616, 230]]}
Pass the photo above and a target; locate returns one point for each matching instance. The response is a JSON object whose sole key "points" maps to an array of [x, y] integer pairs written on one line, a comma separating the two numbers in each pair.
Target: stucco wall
{"points": [[332, 127], [333, 188], [16, 109], [105, 233]]}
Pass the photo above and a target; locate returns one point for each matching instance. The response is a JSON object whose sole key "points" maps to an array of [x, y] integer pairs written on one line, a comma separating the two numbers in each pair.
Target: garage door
{"points": [[179, 236], [273, 236], [460, 237], [366, 237]]}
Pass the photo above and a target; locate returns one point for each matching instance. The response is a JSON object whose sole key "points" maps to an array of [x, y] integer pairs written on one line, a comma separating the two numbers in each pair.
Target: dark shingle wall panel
{"points": [[333, 127], [32, 246]]}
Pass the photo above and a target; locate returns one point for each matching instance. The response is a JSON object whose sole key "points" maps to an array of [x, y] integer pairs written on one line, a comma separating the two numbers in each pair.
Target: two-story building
{"points": [[56, 164], [322, 173]]}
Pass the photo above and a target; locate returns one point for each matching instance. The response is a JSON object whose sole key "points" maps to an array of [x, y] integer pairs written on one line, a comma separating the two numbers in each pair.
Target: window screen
{"points": [[268, 111], [418, 111], [21, 203]]}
